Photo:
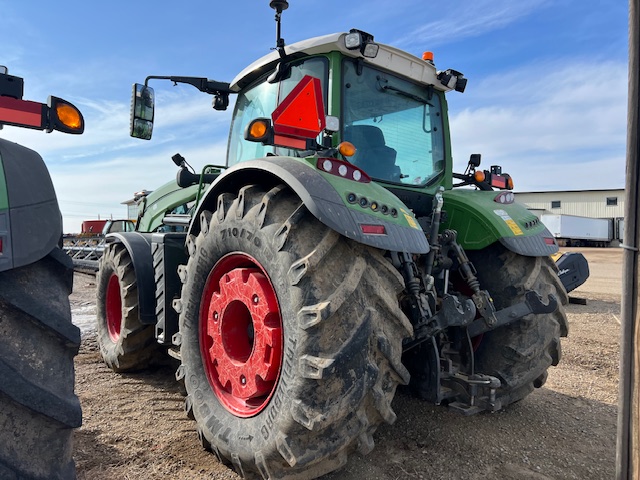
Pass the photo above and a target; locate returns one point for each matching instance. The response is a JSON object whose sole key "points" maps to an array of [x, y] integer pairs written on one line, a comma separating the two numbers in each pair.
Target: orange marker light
{"points": [[258, 129], [427, 57], [479, 176], [510, 183], [69, 116], [347, 149]]}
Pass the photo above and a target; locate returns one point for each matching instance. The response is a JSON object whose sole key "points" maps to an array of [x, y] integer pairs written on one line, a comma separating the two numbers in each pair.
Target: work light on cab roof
{"points": [[363, 41]]}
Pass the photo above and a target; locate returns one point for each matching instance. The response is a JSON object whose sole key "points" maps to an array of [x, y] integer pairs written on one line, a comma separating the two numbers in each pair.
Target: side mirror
{"points": [[142, 110]]}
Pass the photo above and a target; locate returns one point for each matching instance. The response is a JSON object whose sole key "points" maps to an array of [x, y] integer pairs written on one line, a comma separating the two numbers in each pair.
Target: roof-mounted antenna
{"points": [[279, 6]]}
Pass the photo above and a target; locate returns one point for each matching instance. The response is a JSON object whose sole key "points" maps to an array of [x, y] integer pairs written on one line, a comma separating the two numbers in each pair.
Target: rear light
{"points": [[69, 116], [549, 241], [510, 183], [373, 229], [498, 181], [347, 149], [65, 117], [505, 198], [259, 130], [22, 113], [479, 176], [364, 202], [342, 169]]}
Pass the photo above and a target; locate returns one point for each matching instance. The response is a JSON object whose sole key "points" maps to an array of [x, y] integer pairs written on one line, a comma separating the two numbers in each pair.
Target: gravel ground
{"points": [[134, 424]]}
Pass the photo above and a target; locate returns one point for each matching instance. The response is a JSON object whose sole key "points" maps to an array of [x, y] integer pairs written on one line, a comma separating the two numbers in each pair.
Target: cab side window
{"points": [[261, 99]]}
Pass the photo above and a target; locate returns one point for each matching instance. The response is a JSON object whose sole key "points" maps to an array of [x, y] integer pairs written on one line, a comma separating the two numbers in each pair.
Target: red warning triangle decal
{"points": [[301, 113]]}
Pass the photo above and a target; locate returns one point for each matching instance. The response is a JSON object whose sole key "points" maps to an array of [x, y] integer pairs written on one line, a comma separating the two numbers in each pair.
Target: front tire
{"points": [[521, 353], [126, 343], [312, 317], [38, 407]]}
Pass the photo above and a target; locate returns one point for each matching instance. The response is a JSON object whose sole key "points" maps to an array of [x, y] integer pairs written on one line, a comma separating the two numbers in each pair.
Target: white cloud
{"points": [[100, 188], [554, 126], [464, 19]]}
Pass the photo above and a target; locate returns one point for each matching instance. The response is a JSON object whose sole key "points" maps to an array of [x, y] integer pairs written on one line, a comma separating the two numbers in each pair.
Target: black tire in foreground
{"points": [[291, 337], [519, 354], [38, 406], [125, 343]]}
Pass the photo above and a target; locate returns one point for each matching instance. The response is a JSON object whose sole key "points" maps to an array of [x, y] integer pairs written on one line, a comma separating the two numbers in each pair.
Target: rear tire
{"points": [[332, 333], [519, 354], [126, 343], [38, 406]]}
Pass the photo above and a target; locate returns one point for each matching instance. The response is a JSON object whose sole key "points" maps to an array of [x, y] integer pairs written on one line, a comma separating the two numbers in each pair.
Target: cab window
{"points": [[395, 125], [260, 100]]}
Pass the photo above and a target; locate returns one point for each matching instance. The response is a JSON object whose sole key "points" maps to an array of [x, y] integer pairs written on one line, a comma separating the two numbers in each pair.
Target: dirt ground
{"points": [[135, 427]]}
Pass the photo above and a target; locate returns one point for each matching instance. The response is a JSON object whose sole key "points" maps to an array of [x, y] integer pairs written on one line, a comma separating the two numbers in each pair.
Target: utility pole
{"points": [[628, 439]]}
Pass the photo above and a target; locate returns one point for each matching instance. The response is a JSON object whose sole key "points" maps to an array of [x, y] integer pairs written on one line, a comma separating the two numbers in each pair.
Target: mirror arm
{"points": [[203, 84]]}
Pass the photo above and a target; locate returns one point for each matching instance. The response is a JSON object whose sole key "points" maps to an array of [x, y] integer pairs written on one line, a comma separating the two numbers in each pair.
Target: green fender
{"points": [[155, 206], [481, 219], [326, 197]]}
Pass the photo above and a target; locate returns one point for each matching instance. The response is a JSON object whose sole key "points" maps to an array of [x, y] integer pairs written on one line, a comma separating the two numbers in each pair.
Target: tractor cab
{"points": [[312, 96], [386, 103]]}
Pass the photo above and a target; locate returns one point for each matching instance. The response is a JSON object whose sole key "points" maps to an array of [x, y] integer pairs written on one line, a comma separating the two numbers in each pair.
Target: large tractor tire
{"points": [[38, 407], [291, 337], [126, 343], [519, 354]]}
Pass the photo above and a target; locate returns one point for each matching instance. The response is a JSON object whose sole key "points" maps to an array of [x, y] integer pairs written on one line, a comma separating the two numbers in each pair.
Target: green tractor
{"points": [[331, 261], [132, 322], [38, 406]]}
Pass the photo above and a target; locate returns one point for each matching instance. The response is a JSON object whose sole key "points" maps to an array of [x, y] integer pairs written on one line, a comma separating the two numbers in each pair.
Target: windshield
{"points": [[396, 125]]}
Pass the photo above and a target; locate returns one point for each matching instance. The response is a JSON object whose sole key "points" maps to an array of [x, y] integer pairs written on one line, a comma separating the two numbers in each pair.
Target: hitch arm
{"points": [[532, 304]]}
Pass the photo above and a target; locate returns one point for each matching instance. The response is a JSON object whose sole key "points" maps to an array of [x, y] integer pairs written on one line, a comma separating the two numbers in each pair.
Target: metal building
{"points": [[607, 204], [583, 203]]}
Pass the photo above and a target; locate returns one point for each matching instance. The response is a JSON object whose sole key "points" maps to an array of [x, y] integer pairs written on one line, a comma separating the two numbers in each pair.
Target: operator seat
{"points": [[372, 154]]}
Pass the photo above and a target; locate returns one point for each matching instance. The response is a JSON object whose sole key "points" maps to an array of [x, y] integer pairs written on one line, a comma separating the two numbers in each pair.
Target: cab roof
{"points": [[388, 57]]}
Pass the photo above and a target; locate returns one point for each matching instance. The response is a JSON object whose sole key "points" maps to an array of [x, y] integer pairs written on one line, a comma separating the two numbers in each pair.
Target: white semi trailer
{"points": [[572, 230]]}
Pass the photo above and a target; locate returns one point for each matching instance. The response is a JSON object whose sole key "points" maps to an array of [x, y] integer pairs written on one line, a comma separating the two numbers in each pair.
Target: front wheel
{"points": [[125, 342], [291, 337]]}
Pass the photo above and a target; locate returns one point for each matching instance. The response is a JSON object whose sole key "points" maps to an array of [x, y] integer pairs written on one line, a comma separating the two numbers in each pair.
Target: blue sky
{"points": [[546, 97]]}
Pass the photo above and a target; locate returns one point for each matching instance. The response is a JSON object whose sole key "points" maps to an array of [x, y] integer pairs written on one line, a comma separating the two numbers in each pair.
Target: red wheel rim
{"points": [[241, 334], [114, 308]]}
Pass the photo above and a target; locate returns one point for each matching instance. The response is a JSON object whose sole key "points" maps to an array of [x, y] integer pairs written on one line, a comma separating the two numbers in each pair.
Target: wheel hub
{"points": [[114, 308], [242, 333]]}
